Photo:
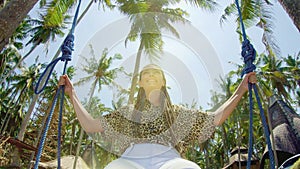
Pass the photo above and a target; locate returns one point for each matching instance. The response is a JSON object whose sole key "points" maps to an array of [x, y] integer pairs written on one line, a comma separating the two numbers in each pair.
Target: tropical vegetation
{"points": [[23, 113]]}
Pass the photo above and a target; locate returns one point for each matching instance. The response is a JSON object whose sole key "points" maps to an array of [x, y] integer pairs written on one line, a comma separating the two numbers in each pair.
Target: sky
{"points": [[192, 62]]}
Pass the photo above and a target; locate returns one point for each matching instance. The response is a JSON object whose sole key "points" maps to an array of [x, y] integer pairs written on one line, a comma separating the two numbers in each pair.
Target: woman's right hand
{"points": [[64, 80]]}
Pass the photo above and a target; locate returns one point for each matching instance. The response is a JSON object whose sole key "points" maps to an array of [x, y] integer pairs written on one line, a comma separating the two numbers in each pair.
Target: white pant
{"points": [[177, 163], [151, 156]]}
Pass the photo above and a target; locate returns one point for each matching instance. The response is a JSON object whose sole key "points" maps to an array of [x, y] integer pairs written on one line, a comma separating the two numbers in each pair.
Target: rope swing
{"points": [[249, 53], [66, 49]]}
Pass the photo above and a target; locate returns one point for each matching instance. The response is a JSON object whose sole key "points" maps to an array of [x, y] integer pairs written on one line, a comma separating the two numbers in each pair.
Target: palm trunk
{"points": [[135, 73], [292, 7], [11, 16], [78, 147], [16, 156], [5, 123], [26, 119], [225, 159], [81, 130], [72, 139], [207, 161]]}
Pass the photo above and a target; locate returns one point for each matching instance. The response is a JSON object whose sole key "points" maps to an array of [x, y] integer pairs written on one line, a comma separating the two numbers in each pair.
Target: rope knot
{"points": [[67, 47], [249, 54]]}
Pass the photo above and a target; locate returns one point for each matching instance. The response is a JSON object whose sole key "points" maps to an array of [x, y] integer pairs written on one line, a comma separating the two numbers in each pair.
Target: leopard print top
{"points": [[120, 130]]}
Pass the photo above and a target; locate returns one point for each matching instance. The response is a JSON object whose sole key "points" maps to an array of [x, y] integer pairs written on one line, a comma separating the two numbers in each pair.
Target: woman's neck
{"points": [[154, 97]]}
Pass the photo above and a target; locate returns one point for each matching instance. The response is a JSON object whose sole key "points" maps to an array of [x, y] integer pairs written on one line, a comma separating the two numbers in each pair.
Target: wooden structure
{"points": [[18, 143], [285, 124], [239, 157], [21, 147]]}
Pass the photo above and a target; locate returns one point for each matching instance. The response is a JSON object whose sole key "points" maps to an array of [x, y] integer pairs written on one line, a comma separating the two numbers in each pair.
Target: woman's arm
{"points": [[224, 111], [88, 123]]}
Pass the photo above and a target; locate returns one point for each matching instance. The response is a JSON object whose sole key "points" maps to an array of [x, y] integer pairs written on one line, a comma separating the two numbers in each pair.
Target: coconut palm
{"points": [[36, 123], [209, 5], [12, 14], [257, 13], [94, 153], [19, 92], [148, 19], [10, 55], [35, 97], [254, 13], [292, 8], [100, 74], [292, 71], [45, 29], [275, 80]]}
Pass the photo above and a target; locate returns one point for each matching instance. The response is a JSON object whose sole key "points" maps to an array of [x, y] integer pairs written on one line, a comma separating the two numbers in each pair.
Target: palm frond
{"points": [[209, 5]]}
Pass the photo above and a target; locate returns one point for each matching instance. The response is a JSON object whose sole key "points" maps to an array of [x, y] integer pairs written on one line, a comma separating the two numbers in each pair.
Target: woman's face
{"points": [[152, 79]]}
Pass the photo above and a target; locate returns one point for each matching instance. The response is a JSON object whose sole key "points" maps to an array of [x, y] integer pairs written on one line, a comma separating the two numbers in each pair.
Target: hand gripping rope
{"points": [[249, 53], [66, 49]]}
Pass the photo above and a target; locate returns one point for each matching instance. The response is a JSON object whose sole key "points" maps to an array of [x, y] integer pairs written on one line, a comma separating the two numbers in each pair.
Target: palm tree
{"points": [[292, 71], [38, 119], [10, 55], [18, 93], [236, 127], [21, 90], [47, 27], [209, 5], [273, 78], [100, 74], [13, 13], [95, 154], [148, 19], [35, 97], [43, 33], [254, 13], [292, 8]]}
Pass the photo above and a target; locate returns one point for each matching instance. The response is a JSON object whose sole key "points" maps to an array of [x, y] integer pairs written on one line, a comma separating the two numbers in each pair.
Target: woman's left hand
{"points": [[250, 77]]}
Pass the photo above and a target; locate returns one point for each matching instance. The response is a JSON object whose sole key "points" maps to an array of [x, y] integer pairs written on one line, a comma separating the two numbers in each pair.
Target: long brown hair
{"points": [[165, 104]]}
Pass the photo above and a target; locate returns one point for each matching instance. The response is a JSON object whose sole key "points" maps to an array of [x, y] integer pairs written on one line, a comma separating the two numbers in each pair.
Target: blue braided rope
{"points": [[241, 19], [43, 137], [75, 18], [60, 119], [66, 48], [249, 53], [266, 129], [59, 127], [47, 72], [250, 137]]}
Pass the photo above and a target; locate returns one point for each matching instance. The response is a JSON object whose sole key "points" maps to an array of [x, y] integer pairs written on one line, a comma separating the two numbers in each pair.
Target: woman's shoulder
{"points": [[182, 108], [124, 112]]}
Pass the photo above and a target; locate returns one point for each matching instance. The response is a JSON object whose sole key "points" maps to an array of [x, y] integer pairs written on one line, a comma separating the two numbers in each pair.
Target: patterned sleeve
{"points": [[199, 125], [117, 134], [204, 126]]}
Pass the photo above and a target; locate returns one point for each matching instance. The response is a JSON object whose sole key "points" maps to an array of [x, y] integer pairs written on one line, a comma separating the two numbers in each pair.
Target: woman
{"points": [[154, 134]]}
